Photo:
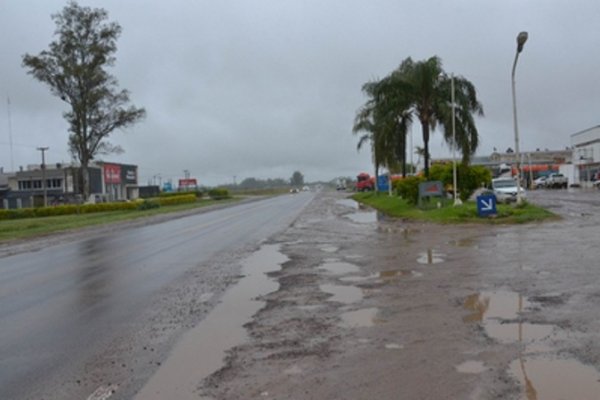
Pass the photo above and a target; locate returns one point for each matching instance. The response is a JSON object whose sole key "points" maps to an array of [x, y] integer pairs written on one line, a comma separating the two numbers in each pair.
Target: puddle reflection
{"points": [[348, 203], [342, 294], [340, 267], [431, 257], [363, 318], [541, 376], [363, 217]]}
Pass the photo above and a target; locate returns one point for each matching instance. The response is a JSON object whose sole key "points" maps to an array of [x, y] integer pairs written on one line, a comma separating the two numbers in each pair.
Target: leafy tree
{"points": [[74, 67], [297, 179]]}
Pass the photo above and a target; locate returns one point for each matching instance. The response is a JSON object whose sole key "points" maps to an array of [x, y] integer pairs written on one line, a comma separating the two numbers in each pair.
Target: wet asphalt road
{"points": [[59, 305]]}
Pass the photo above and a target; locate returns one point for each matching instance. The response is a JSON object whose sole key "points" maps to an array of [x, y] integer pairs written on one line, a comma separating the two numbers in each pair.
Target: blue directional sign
{"points": [[486, 205]]}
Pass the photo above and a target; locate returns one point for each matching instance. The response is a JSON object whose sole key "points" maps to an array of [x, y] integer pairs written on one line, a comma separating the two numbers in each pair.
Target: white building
{"points": [[586, 156]]}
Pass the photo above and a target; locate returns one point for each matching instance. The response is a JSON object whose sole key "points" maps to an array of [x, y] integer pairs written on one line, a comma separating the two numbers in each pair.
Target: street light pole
{"points": [[43, 150], [521, 39]]}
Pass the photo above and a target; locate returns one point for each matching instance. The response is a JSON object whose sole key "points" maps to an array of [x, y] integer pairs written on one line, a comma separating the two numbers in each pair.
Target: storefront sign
{"points": [[112, 173]]}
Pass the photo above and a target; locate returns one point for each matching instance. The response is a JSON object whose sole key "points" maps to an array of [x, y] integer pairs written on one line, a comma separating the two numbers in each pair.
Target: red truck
{"points": [[365, 182]]}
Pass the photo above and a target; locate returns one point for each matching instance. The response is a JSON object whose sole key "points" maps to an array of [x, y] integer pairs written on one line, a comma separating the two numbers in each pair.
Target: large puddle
{"points": [[541, 374], [342, 294], [349, 203], [201, 351], [363, 217], [340, 268]]}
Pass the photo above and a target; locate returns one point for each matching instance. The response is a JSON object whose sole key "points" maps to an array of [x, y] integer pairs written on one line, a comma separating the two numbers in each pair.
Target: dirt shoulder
{"points": [[371, 308]]}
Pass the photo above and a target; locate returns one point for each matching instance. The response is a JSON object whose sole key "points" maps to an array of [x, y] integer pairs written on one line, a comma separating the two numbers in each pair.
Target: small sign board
{"points": [[486, 205], [430, 189]]}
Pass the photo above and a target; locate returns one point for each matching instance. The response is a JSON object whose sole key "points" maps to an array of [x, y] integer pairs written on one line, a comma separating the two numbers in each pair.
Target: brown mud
{"points": [[373, 308]]}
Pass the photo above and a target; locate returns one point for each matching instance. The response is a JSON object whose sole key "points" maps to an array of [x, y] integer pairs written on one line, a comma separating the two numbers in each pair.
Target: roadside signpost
{"points": [[486, 205]]}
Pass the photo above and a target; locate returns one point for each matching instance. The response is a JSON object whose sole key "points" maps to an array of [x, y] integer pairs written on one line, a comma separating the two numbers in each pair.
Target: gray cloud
{"points": [[264, 88]]}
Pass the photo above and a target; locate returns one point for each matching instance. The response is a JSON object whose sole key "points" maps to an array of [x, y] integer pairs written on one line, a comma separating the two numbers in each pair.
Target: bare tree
{"points": [[74, 67]]}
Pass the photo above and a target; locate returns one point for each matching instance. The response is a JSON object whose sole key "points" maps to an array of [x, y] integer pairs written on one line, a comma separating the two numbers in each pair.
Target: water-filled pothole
{"points": [[544, 378], [541, 375], [340, 267], [363, 217], [348, 203], [201, 350], [342, 294], [431, 256], [362, 318]]}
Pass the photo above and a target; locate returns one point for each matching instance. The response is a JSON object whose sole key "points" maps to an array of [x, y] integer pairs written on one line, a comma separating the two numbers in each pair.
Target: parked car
{"points": [[540, 182], [505, 189], [557, 181]]}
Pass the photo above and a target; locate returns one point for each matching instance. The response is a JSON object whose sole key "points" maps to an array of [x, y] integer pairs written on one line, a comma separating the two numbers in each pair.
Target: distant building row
{"points": [[108, 182]]}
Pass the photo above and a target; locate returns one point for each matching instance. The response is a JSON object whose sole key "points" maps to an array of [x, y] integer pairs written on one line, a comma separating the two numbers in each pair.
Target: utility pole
{"points": [[43, 150]]}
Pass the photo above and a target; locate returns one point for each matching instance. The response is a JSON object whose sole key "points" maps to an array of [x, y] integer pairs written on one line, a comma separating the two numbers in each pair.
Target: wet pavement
{"points": [[344, 303]]}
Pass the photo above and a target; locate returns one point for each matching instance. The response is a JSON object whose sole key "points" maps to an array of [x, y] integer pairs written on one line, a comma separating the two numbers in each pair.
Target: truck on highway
{"points": [[365, 183]]}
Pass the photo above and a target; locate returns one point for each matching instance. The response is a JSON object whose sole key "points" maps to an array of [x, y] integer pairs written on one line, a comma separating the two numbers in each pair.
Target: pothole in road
{"points": [[342, 294], [363, 318], [541, 375], [383, 276], [201, 351], [340, 268], [465, 242], [545, 378], [348, 203], [363, 217], [431, 256]]}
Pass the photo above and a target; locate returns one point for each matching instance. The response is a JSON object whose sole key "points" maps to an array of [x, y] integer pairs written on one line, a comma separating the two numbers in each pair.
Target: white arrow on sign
{"points": [[487, 206]]}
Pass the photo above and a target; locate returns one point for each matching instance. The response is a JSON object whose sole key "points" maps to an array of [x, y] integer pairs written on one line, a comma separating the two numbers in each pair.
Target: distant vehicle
{"points": [[306, 189], [341, 184], [557, 181], [294, 190], [505, 189], [540, 182], [365, 183]]}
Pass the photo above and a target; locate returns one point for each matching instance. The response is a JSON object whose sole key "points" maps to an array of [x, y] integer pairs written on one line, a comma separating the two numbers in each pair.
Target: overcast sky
{"points": [[262, 88]]}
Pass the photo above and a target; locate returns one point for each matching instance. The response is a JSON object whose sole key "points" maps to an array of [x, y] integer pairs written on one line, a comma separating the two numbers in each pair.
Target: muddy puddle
{"points": [[541, 373], [431, 256], [363, 217], [349, 203], [363, 318], [342, 294], [339, 268], [202, 350]]}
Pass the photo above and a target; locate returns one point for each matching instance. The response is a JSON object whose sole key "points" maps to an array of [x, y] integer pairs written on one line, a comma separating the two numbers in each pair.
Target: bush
{"points": [[408, 188], [148, 205], [219, 194], [197, 193], [182, 199], [469, 178]]}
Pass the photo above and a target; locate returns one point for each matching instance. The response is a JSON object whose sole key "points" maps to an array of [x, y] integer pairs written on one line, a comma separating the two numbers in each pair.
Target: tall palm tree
{"points": [[427, 87]]}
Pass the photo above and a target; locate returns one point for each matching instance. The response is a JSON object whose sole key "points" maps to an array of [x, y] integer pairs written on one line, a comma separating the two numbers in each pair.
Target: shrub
{"points": [[219, 194], [408, 188], [148, 205], [169, 201], [197, 193], [469, 178]]}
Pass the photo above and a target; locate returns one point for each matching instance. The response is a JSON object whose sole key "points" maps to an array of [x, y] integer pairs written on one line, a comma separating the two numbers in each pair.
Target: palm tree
{"points": [[430, 90]]}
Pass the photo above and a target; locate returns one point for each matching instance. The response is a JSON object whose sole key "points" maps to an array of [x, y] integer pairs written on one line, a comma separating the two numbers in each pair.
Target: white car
{"points": [[505, 190], [540, 182]]}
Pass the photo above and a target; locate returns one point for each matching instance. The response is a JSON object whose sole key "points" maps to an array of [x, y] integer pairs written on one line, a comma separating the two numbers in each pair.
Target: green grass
{"points": [[32, 227], [447, 213]]}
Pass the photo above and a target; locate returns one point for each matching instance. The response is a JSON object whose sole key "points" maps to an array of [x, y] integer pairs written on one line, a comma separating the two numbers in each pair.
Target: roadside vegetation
{"points": [[31, 222], [398, 207]]}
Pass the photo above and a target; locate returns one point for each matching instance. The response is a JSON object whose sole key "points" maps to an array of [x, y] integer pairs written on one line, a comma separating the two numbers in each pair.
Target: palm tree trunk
{"points": [[425, 127]]}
